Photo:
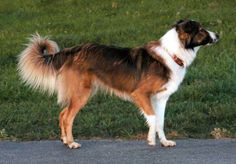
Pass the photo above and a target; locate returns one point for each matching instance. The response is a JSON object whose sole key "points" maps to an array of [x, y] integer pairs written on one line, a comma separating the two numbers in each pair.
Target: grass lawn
{"points": [[204, 106]]}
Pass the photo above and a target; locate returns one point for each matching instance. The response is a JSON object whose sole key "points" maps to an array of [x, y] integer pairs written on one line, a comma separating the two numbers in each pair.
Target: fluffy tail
{"points": [[35, 68]]}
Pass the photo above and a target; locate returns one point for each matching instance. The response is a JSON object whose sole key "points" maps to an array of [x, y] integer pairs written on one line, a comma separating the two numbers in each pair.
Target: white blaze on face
{"points": [[213, 36]]}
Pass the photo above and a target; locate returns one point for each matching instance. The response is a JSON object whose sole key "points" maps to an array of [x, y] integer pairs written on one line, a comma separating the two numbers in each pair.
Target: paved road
{"points": [[117, 151]]}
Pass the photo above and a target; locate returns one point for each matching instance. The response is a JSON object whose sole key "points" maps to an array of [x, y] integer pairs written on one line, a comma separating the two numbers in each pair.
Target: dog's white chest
{"points": [[172, 85]]}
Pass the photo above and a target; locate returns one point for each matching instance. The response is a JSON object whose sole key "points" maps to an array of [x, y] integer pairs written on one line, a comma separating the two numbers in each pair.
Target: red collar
{"points": [[178, 61]]}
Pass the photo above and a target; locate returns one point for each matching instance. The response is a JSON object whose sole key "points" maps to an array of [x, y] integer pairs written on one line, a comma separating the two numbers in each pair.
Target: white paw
{"points": [[74, 145], [64, 140], [168, 143], [151, 141]]}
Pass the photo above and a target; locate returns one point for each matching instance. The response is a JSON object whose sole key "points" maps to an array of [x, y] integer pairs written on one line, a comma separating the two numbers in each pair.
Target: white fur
{"points": [[30, 66], [170, 46], [213, 36], [74, 145], [159, 108], [151, 121], [176, 77]]}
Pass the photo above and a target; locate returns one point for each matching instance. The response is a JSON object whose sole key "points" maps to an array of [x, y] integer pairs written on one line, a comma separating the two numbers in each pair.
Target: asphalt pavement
{"points": [[190, 151]]}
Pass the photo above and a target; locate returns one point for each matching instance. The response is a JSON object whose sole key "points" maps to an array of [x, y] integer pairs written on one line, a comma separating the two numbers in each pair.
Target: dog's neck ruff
{"points": [[176, 59], [171, 45]]}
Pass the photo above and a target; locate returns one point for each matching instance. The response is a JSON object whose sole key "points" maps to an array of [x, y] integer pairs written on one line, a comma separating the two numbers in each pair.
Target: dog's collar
{"points": [[178, 60], [161, 49]]}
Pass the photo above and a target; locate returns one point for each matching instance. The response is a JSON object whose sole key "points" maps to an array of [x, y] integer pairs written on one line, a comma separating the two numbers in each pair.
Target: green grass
{"points": [[205, 101]]}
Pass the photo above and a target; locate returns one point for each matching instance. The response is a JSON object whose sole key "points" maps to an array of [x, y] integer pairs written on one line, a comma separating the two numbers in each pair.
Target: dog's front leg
{"points": [[143, 102], [151, 121], [159, 106]]}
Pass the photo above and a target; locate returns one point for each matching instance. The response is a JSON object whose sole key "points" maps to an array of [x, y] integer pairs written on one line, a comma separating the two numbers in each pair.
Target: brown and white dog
{"points": [[145, 75]]}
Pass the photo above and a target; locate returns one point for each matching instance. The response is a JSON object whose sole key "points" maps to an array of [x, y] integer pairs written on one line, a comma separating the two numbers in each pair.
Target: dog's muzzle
{"points": [[214, 37]]}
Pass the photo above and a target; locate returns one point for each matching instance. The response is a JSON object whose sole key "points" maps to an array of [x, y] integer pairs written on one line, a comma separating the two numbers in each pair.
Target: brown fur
{"points": [[131, 73], [134, 74]]}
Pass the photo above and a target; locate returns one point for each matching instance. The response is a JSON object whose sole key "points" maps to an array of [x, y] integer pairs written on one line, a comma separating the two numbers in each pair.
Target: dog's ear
{"points": [[188, 26], [178, 22]]}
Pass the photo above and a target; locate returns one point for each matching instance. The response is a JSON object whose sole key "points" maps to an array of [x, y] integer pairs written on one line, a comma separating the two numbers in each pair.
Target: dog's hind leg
{"points": [[62, 126], [144, 103], [77, 102]]}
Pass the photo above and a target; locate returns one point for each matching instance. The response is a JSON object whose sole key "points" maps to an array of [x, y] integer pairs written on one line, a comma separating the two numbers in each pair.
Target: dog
{"points": [[145, 75]]}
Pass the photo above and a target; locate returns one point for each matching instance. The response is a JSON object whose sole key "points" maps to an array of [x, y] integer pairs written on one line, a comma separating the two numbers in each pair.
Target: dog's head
{"points": [[192, 34]]}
